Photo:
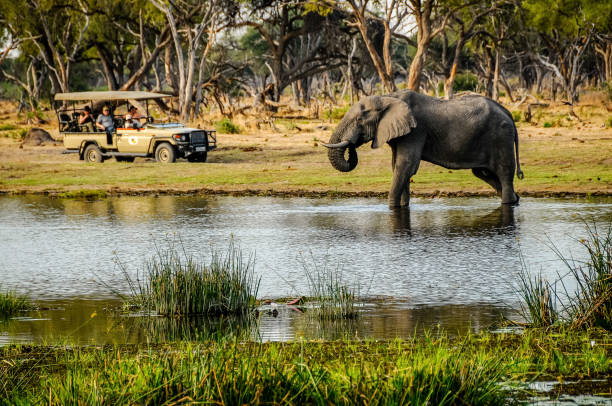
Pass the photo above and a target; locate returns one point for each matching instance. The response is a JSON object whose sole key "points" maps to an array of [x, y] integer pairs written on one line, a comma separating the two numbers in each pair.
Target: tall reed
{"points": [[12, 303], [335, 298], [544, 303], [177, 284]]}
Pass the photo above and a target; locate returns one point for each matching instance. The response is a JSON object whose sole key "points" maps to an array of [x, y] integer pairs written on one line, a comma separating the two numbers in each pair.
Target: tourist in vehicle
{"points": [[130, 122], [105, 123], [86, 119], [136, 116]]}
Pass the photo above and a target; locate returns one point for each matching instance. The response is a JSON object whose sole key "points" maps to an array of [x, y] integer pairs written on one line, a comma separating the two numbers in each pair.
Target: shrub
{"points": [[517, 116], [337, 113], [227, 126], [465, 82], [609, 122], [608, 89], [6, 127], [547, 124]]}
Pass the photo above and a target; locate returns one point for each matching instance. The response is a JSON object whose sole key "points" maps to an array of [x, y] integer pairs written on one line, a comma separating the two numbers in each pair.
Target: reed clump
{"points": [[12, 303], [589, 304], [177, 284], [335, 299]]}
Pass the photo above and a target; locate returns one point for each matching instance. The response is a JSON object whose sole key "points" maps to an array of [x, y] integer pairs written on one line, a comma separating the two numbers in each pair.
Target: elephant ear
{"points": [[396, 120]]}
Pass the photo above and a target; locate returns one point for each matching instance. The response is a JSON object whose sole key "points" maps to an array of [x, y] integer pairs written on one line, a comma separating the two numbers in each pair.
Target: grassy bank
{"points": [[11, 303], [569, 158], [431, 370]]}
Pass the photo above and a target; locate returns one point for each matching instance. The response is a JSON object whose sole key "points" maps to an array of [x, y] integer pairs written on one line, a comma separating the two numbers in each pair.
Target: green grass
{"points": [[517, 116], [177, 284], [429, 370], [83, 194], [7, 127], [336, 113], [227, 126], [12, 303]]}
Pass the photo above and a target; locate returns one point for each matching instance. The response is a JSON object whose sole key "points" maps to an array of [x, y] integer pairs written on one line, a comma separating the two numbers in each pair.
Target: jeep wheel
{"points": [[165, 153], [124, 158], [93, 154], [197, 157]]}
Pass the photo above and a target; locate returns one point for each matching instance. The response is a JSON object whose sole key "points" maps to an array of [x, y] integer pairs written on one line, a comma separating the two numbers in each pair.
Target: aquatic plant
{"points": [[12, 303], [335, 299], [544, 303], [177, 284], [538, 305], [590, 305]]}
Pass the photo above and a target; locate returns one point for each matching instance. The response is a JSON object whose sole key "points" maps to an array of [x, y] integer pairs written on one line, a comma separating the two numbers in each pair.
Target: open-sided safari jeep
{"points": [[166, 142]]}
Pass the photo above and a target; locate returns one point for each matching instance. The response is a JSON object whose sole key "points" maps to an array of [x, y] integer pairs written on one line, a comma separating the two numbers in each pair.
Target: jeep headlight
{"points": [[181, 137]]}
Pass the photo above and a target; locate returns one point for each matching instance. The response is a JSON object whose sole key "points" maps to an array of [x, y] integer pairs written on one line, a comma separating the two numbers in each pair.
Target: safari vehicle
{"points": [[164, 141]]}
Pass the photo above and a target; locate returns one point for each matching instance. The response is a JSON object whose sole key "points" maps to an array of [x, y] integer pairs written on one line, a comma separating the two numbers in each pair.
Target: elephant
{"points": [[469, 132]]}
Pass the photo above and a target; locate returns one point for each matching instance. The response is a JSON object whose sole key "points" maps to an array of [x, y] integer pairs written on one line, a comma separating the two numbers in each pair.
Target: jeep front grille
{"points": [[198, 137]]}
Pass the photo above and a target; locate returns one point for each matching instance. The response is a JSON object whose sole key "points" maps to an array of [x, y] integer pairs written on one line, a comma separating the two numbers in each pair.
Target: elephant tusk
{"points": [[338, 145]]}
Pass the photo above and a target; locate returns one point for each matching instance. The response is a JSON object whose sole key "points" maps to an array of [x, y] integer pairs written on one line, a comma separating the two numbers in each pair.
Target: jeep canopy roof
{"points": [[109, 95]]}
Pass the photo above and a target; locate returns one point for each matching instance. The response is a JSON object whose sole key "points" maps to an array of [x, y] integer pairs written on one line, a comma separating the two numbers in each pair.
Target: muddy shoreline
{"points": [[131, 191]]}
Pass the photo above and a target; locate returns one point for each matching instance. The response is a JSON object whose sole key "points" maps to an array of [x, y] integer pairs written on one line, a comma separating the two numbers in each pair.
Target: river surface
{"points": [[449, 262]]}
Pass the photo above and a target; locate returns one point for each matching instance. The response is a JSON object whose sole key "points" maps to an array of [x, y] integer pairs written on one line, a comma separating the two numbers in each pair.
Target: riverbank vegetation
{"points": [[434, 369], [11, 303], [582, 296], [174, 283]]}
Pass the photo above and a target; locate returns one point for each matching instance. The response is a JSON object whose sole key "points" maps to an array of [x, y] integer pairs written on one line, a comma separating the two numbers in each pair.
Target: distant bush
{"points": [[517, 116], [227, 126], [6, 127], [609, 122], [465, 82], [337, 113], [547, 124], [608, 89]]}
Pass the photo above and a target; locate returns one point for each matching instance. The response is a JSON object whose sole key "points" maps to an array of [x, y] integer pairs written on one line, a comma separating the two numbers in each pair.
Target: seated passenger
{"points": [[136, 116], [86, 120], [131, 123], [105, 123]]}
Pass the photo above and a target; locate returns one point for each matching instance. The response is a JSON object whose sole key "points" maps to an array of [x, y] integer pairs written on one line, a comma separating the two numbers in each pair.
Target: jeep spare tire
{"points": [[165, 153]]}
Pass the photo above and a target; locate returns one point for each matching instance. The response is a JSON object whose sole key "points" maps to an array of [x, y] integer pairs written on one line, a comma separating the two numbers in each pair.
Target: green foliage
{"points": [[12, 303], [465, 82], [84, 194], [609, 122], [517, 116], [227, 126], [608, 89], [178, 285], [538, 304], [337, 113], [6, 127], [547, 124]]}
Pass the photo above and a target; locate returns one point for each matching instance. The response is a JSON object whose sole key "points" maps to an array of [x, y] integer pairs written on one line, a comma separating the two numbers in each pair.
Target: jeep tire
{"points": [[165, 153], [93, 154]]}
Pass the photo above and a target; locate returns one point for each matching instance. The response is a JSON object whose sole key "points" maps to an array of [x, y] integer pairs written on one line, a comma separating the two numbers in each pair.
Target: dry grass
{"points": [[572, 158]]}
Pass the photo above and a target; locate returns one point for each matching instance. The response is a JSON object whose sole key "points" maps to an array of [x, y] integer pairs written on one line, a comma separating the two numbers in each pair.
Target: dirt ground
{"points": [[558, 156]]}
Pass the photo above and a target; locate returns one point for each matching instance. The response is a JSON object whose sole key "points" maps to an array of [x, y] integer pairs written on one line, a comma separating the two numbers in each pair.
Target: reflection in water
{"points": [[87, 321], [439, 251]]}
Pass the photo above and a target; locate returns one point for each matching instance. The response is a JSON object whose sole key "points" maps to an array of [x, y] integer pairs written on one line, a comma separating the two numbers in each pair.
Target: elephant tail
{"points": [[519, 172]]}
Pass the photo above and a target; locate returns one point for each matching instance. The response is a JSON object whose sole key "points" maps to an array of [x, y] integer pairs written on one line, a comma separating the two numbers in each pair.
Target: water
{"points": [[448, 262]]}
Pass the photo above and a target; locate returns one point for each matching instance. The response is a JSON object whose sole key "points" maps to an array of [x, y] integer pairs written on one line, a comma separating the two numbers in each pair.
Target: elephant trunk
{"points": [[336, 154]]}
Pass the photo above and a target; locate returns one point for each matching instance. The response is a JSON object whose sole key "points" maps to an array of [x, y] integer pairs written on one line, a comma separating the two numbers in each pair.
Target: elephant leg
{"points": [[509, 196], [405, 199], [488, 177], [407, 160]]}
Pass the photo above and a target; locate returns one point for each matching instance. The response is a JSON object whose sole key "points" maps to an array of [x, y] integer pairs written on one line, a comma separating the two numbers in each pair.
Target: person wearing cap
{"points": [[105, 123], [135, 115]]}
